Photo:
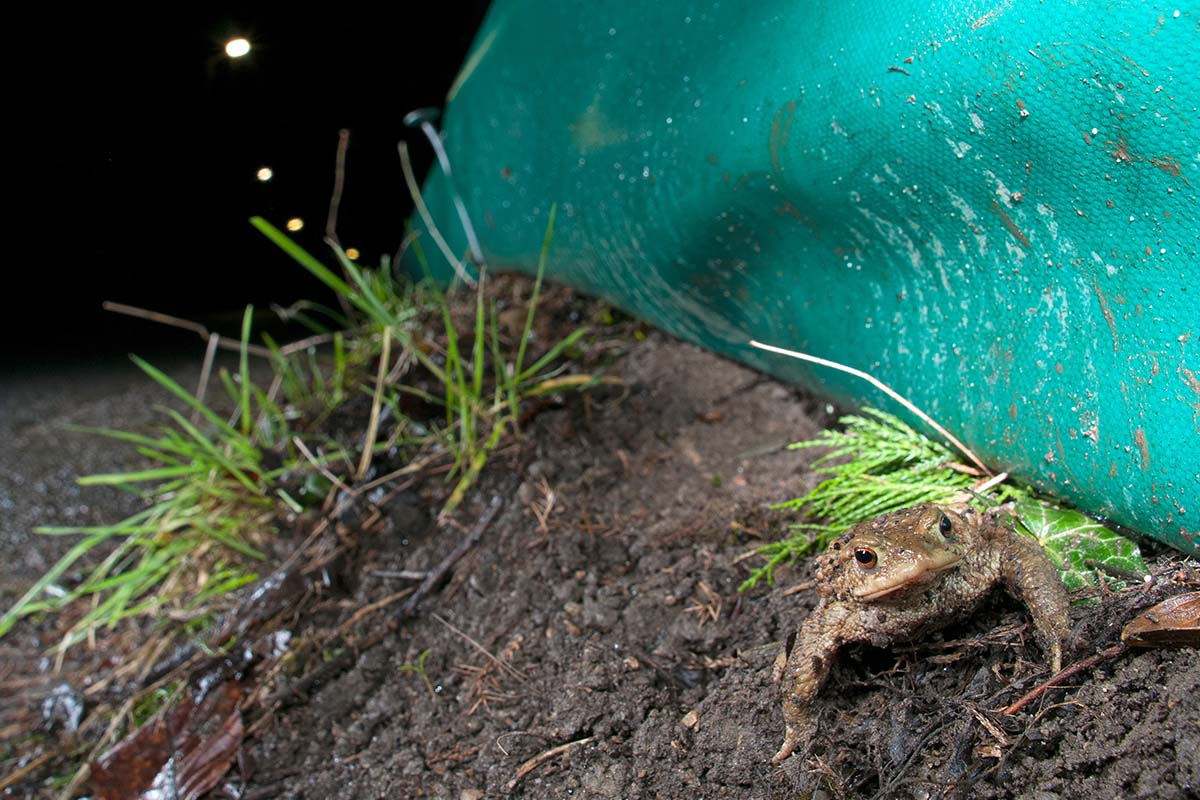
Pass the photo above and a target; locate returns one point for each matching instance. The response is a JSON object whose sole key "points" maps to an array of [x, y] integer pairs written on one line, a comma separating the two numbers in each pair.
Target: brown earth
{"points": [[598, 624], [616, 632]]}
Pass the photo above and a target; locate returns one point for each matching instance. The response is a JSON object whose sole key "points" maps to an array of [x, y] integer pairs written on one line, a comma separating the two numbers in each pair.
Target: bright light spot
{"points": [[294, 224], [352, 253], [264, 174], [236, 48]]}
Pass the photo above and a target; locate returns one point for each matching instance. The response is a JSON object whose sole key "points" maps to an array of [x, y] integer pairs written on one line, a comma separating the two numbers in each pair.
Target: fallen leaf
{"points": [[180, 754], [1175, 622]]}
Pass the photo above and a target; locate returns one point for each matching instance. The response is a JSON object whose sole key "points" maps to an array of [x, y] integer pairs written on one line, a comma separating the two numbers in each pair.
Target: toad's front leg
{"points": [[804, 671], [1032, 577]]}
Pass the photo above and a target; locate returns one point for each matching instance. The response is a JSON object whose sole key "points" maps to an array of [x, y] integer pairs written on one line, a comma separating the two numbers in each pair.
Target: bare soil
{"points": [[614, 631], [594, 643]]}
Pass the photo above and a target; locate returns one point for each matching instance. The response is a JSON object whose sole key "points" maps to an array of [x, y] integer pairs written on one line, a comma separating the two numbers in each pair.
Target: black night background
{"points": [[140, 141]]}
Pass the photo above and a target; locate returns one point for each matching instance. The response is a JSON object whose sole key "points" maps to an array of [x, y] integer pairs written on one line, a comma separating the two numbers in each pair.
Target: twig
{"points": [[18, 775], [1114, 571], [272, 393], [746, 555], [335, 202], [415, 191], [516, 673], [883, 387], [541, 758], [304, 344], [402, 364], [407, 469], [210, 353], [979, 489], [370, 607], [324, 470], [803, 586], [364, 462], [1063, 674], [991, 483], [896, 775], [510, 734], [317, 532], [400, 574], [339, 183], [26, 682], [435, 576], [85, 770], [352, 496], [408, 239], [224, 342]]}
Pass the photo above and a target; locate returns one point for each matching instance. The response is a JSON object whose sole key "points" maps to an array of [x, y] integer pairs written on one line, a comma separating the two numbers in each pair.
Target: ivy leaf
{"points": [[1072, 540]]}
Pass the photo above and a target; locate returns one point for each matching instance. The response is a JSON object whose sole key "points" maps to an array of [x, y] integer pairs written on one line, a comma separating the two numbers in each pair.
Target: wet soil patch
{"points": [[593, 643]]}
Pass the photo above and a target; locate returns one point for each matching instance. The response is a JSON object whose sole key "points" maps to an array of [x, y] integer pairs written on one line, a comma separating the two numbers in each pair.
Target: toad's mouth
{"points": [[916, 575]]}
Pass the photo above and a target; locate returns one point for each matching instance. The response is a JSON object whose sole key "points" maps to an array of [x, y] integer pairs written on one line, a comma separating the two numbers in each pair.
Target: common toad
{"points": [[899, 574]]}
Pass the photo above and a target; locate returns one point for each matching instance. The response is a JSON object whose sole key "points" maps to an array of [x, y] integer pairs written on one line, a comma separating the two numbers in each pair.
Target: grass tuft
{"points": [[215, 486], [209, 489]]}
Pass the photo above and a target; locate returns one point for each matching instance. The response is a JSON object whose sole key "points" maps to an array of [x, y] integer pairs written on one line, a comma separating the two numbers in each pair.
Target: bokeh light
{"points": [[264, 174], [237, 47], [352, 253], [294, 224]]}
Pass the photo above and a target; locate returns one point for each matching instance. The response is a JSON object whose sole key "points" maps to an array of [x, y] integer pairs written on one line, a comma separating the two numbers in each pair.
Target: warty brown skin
{"points": [[900, 574]]}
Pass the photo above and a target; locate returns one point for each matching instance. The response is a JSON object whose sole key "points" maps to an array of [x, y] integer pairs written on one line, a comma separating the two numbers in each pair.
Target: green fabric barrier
{"points": [[992, 207]]}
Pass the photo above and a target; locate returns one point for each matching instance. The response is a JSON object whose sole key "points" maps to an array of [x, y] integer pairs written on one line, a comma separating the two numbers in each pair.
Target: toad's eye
{"points": [[865, 557], [944, 525]]}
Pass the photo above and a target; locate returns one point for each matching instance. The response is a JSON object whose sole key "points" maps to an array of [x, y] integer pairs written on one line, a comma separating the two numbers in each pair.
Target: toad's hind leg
{"points": [[803, 672]]}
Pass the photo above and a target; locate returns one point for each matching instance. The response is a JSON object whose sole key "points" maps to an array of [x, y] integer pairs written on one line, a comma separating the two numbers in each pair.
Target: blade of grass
{"points": [[214, 452], [477, 360], [233, 543], [551, 354], [301, 257], [174, 388], [244, 369], [124, 436], [339, 367], [366, 298], [53, 574], [543, 258], [118, 478], [364, 462]]}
